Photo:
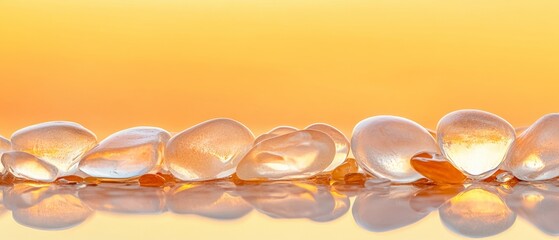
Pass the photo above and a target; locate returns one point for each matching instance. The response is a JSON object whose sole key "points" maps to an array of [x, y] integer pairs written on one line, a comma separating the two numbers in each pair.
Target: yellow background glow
{"points": [[115, 64]]}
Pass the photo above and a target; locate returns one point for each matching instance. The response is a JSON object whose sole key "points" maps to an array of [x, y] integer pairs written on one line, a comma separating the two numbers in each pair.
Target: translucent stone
{"points": [[209, 150], [70, 180], [342, 144], [151, 180], [278, 131], [211, 200], [300, 154], [126, 154], [384, 145], [477, 212], [382, 211], [377, 183], [504, 177], [355, 178], [535, 155], [27, 166], [435, 167], [5, 146], [61, 144], [475, 142], [349, 166]]}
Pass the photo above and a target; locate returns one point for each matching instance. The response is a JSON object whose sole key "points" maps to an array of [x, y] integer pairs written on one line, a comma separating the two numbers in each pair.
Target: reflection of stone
{"points": [[341, 207], [24, 195], [477, 212], [48, 207], [431, 197], [538, 204], [212, 200], [124, 199], [292, 200], [381, 211]]}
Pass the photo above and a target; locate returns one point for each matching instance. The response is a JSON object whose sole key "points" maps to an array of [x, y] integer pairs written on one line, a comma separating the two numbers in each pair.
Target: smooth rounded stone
{"points": [[349, 166], [27, 166], [474, 141], [435, 167], [277, 131], [209, 150], [61, 144], [342, 144], [300, 154], [535, 154], [384, 145], [477, 212], [382, 211], [504, 177], [5, 146], [126, 154]]}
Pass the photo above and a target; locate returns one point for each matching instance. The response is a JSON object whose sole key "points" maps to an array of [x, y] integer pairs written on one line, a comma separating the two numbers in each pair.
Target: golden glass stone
{"points": [[436, 168], [535, 154], [384, 145], [349, 166], [61, 144], [476, 142], [126, 154], [209, 150], [277, 131], [300, 154], [26, 166]]}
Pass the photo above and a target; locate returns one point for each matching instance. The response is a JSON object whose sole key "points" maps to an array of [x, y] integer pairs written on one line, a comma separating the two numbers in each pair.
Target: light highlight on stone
{"points": [[277, 131], [126, 154], [476, 142], [62, 144], [342, 144], [27, 166], [209, 150], [384, 145], [535, 154], [294, 155]]}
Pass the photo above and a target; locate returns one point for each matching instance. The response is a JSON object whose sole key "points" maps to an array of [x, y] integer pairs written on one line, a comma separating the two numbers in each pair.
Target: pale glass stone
{"points": [[27, 166], [5, 146], [474, 141], [126, 154], [61, 144], [384, 145], [300, 154], [209, 150], [342, 144], [477, 212], [504, 177], [535, 154], [277, 131]]}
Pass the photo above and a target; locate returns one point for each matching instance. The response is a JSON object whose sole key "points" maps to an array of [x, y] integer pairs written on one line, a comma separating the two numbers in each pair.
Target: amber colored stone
{"points": [[323, 179], [72, 179], [168, 177], [355, 178], [7, 179], [151, 180], [91, 181], [493, 177], [436, 168], [349, 166]]}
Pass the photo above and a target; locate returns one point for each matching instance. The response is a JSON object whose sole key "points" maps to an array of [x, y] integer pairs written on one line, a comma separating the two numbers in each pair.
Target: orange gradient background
{"points": [[110, 65]]}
